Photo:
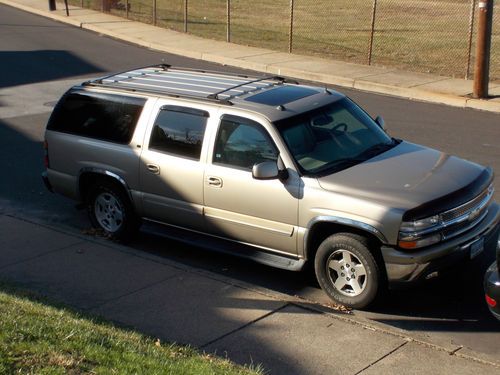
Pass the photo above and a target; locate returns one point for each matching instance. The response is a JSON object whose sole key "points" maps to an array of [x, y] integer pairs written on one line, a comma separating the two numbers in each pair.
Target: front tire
{"points": [[347, 270], [110, 210]]}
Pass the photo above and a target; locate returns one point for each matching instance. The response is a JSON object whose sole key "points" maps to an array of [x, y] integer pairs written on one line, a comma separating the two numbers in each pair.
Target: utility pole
{"points": [[483, 46]]}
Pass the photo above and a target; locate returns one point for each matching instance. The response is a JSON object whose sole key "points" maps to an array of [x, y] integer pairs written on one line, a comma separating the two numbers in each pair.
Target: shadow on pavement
{"points": [[45, 65]]}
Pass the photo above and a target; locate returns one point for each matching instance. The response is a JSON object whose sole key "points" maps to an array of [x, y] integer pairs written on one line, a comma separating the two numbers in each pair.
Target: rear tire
{"points": [[110, 210], [347, 270]]}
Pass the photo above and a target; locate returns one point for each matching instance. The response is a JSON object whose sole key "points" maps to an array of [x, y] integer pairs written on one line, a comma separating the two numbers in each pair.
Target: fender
{"points": [[343, 221], [106, 173]]}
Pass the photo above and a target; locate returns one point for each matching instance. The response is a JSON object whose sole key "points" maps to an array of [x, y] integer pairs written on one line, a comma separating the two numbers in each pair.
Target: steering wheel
{"points": [[338, 127]]}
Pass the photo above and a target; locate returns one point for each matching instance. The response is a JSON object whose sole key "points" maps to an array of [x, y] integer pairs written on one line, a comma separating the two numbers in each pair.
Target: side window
{"points": [[242, 143], [179, 131], [103, 116]]}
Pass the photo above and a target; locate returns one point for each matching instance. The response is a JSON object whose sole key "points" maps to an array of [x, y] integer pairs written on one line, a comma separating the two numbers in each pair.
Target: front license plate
{"points": [[476, 248]]}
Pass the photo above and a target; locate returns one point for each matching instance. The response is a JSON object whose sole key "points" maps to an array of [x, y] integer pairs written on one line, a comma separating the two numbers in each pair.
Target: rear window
{"points": [[103, 116]]}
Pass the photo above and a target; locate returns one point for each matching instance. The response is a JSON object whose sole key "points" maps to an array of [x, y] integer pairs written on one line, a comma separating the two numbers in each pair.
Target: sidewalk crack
{"points": [[244, 325], [381, 358], [114, 299], [40, 255]]}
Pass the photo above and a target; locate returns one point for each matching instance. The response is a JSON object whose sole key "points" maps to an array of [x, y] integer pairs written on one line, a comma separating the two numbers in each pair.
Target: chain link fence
{"points": [[434, 36]]}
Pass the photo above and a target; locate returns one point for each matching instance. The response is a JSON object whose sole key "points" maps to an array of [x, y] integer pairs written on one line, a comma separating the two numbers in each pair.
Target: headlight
{"points": [[419, 233], [418, 225]]}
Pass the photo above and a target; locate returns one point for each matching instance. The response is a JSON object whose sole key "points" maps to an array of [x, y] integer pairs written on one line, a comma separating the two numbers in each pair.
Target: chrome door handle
{"points": [[153, 168], [215, 181]]}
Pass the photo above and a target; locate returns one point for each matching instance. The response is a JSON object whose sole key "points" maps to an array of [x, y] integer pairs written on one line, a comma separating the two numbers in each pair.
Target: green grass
{"points": [[421, 35], [36, 338]]}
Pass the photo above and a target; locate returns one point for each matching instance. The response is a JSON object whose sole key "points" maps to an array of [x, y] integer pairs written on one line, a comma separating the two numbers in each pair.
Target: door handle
{"points": [[153, 168], [215, 181]]}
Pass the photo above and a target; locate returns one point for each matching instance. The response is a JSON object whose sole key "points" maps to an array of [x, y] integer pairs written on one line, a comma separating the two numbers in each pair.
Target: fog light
{"points": [[490, 301]]}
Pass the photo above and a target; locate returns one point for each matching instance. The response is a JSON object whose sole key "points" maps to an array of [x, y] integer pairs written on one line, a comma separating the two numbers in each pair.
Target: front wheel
{"points": [[111, 211], [347, 271]]}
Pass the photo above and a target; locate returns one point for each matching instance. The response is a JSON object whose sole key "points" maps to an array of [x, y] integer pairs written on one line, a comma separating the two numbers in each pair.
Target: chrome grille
{"points": [[467, 207], [466, 216]]}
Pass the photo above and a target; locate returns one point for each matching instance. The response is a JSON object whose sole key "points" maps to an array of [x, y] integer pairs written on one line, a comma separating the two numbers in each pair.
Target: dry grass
{"points": [[420, 35]]}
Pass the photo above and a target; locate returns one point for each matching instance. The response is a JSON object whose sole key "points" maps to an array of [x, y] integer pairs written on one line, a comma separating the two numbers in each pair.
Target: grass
{"points": [[421, 35], [36, 338]]}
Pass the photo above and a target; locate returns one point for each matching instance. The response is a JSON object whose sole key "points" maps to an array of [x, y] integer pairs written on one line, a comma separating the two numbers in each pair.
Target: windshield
{"points": [[333, 138]]}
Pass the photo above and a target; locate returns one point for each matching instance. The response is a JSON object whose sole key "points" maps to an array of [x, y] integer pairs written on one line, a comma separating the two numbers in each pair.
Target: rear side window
{"points": [[179, 131], [103, 116]]}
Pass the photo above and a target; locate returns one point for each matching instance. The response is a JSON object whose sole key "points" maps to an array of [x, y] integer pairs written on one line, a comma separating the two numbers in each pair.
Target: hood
{"points": [[412, 177]]}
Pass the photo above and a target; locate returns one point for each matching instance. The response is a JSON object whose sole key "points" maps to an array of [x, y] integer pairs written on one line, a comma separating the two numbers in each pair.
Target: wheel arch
{"points": [[89, 175], [324, 226]]}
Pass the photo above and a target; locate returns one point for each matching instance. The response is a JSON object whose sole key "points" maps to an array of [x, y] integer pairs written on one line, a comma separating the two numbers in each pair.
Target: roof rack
{"points": [[186, 83]]}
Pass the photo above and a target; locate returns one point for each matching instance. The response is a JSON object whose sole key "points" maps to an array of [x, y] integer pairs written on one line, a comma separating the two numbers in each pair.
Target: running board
{"points": [[229, 247]]}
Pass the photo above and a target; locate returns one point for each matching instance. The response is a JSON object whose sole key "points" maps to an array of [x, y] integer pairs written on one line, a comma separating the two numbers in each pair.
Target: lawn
{"points": [[420, 35], [37, 338]]}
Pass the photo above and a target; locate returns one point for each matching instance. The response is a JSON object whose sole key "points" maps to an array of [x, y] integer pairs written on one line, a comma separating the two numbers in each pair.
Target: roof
{"points": [[273, 96]]}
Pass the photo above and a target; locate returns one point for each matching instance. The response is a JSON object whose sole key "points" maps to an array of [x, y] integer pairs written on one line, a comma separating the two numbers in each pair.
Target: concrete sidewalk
{"points": [[178, 303], [391, 81]]}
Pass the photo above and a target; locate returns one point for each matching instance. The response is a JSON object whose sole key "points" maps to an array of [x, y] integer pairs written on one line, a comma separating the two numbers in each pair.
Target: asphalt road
{"points": [[40, 59]]}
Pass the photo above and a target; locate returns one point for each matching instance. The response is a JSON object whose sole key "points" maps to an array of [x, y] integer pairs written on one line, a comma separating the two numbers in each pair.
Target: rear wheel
{"points": [[347, 270], [110, 210]]}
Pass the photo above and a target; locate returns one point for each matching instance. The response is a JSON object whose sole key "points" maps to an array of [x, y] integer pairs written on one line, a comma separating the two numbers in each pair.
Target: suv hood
{"points": [[411, 176]]}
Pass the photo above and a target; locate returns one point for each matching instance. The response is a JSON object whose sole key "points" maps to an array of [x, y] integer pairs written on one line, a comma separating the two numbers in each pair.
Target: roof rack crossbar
{"points": [[159, 92], [276, 78]]}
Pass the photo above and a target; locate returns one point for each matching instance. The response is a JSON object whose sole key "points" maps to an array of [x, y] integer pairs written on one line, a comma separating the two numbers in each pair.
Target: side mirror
{"points": [[380, 122], [267, 170]]}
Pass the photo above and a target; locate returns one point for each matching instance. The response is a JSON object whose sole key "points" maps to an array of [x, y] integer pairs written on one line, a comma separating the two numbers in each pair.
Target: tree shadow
{"points": [[26, 67]]}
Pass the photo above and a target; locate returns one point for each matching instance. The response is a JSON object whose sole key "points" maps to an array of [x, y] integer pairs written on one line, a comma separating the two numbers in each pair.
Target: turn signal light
{"points": [[490, 301]]}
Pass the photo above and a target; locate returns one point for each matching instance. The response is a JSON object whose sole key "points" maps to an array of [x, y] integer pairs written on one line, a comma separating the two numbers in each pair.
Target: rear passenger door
{"points": [[172, 165], [239, 207]]}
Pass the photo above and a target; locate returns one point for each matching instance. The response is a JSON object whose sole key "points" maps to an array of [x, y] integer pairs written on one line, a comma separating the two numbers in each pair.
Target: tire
{"points": [[111, 211], [339, 258]]}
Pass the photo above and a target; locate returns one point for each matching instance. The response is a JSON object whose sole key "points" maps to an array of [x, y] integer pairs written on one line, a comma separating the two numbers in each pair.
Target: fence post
{"points": [[372, 32], [482, 66], [127, 7], [290, 32], [228, 27], [185, 16], [471, 32], [154, 12]]}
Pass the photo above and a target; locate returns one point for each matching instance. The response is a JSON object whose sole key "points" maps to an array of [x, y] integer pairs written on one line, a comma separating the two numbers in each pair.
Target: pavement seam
{"points": [[114, 299], [245, 325], [41, 255], [297, 301], [382, 358]]}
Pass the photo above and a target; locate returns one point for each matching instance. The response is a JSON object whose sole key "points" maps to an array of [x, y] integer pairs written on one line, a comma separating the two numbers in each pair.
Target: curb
{"points": [[357, 84]]}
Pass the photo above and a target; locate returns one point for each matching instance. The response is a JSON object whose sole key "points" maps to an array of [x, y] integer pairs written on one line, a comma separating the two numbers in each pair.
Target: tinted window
{"points": [[179, 131], [95, 115], [242, 143]]}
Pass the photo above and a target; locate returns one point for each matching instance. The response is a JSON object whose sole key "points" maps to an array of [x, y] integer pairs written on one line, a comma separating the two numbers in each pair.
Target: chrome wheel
{"points": [[108, 212], [347, 273]]}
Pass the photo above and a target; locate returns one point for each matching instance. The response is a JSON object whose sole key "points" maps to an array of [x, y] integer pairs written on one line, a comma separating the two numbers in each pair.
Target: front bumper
{"points": [[405, 267], [492, 288]]}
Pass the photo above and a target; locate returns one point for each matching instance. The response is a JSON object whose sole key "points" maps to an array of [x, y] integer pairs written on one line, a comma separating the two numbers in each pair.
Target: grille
{"points": [[467, 207]]}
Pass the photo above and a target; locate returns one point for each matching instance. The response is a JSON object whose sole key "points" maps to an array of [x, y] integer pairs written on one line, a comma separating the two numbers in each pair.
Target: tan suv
{"points": [[268, 169]]}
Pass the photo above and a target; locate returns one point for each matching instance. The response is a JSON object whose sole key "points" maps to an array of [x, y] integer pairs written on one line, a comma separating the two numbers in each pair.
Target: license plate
{"points": [[476, 248]]}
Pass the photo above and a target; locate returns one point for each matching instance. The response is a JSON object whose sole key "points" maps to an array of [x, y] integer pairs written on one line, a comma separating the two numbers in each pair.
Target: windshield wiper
{"points": [[376, 150]]}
